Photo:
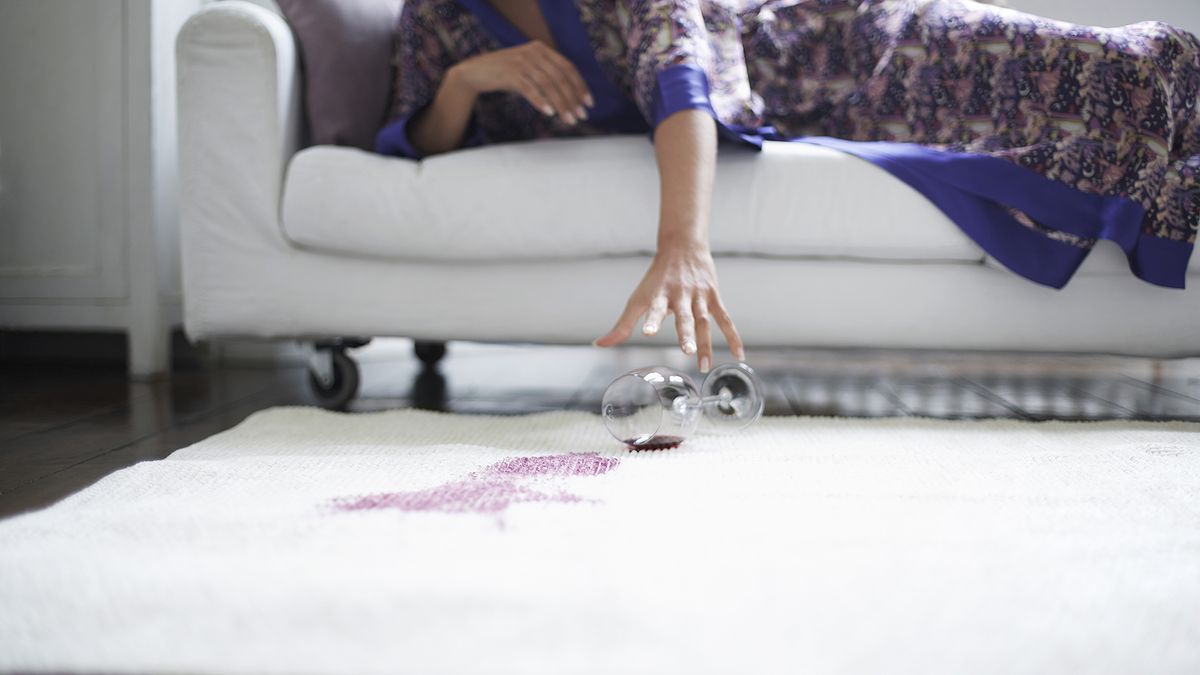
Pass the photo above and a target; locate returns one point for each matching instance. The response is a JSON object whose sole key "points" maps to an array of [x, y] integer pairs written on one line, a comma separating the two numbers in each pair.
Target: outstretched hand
{"points": [[682, 282]]}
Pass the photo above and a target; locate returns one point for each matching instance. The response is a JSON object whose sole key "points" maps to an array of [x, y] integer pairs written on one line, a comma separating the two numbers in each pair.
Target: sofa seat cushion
{"points": [[588, 198]]}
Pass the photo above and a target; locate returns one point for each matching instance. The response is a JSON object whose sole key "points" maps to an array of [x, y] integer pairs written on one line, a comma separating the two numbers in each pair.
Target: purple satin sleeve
{"points": [[681, 87], [684, 86], [393, 139]]}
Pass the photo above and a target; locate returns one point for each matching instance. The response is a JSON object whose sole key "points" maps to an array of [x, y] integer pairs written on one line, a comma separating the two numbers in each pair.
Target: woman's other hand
{"points": [[681, 281], [546, 79]]}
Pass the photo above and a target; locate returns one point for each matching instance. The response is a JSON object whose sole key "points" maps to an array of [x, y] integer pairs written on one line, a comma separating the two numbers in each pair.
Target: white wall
{"points": [[61, 114], [88, 217]]}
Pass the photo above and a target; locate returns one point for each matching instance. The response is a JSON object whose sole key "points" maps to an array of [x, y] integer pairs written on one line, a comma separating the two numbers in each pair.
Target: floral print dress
{"points": [[1036, 137]]}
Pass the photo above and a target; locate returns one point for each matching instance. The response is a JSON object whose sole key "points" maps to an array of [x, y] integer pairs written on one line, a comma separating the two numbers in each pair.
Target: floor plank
{"points": [[69, 479], [39, 453]]}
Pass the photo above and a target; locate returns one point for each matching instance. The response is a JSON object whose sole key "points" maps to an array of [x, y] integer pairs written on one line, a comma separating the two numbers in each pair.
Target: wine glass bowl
{"points": [[657, 407], [651, 408]]}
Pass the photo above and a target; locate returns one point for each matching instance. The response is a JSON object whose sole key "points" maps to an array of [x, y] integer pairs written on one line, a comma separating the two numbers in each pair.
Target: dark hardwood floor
{"points": [[63, 427]]}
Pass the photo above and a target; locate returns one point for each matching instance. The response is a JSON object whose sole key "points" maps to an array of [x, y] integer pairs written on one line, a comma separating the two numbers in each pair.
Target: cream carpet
{"points": [[407, 542]]}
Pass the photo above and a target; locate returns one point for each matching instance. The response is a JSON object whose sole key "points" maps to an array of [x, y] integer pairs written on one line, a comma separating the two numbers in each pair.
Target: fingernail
{"points": [[704, 364], [568, 118], [596, 342], [581, 113], [689, 347], [649, 329], [588, 100], [547, 111]]}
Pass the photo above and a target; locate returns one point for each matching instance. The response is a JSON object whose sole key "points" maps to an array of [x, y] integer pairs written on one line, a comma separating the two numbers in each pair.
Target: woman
{"points": [[1036, 137]]}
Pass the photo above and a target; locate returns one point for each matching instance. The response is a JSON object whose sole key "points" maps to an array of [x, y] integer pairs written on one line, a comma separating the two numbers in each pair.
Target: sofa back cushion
{"points": [[346, 48]]}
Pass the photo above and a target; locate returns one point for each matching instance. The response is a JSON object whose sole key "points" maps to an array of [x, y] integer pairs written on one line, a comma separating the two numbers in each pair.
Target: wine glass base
{"points": [[732, 396], [654, 443]]}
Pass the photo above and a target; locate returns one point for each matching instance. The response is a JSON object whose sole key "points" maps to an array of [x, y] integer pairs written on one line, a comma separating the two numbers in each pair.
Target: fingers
{"points": [[703, 335], [725, 322], [693, 326], [551, 86], [693, 298], [571, 78], [624, 327], [532, 93], [685, 326], [558, 82], [654, 317]]}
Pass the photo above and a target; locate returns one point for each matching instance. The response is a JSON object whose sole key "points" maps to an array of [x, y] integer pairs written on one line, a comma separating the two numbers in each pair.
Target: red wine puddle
{"points": [[656, 442], [493, 488]]}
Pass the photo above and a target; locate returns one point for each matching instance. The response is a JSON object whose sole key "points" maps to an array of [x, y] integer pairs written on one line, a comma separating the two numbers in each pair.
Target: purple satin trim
{"points": [[1159, 261], [684, 86], [393, 138], [972, 190], [501, 28]]}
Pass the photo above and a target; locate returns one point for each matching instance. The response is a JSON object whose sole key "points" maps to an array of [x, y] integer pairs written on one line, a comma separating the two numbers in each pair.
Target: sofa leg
{"points": [[429, 352]]}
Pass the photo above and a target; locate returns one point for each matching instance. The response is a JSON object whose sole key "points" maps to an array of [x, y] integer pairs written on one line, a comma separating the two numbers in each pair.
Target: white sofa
{"points": [[543, 241]]}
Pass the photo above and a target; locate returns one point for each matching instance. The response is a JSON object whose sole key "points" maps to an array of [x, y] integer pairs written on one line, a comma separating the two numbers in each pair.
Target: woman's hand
{"points": [[534, 70], [682, 281]]}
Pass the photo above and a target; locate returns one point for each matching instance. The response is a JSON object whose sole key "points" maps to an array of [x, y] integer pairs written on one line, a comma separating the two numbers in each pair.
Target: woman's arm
{"points": [[534, 70], [682, 279], [675, 57], [440, 127]]}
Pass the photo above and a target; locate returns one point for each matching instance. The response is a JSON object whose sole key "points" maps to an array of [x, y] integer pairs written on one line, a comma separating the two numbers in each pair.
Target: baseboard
{"points": [[92, 348]]}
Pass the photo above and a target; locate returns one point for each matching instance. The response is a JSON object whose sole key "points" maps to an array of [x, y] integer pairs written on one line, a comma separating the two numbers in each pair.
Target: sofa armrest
{"points": [[240, 122]]}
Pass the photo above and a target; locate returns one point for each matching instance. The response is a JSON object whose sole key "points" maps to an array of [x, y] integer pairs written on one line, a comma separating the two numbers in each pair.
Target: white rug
{"points": [[408, 542]]}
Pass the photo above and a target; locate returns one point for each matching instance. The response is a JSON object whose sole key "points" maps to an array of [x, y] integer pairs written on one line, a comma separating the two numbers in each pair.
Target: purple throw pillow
{"points": [[346, 49]]}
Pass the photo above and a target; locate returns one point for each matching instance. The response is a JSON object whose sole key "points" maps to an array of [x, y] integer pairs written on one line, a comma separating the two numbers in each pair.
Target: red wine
{"points": [[655, 443]]}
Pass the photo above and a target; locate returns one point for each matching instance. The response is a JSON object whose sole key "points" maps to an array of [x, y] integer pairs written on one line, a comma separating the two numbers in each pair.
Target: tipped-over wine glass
{"points": [[657, 407]]}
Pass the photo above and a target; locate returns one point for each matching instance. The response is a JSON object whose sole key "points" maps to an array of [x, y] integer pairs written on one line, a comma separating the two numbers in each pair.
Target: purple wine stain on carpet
{"points": [[493, 488]]}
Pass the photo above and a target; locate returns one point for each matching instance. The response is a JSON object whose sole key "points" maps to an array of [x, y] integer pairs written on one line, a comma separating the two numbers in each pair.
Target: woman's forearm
{"points": [[686, 148], [682, 279], [440, 127]]}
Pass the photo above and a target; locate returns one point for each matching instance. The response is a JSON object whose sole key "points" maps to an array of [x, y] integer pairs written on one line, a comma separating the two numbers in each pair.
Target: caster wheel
{"points": [[339, 391], [429, 352]]}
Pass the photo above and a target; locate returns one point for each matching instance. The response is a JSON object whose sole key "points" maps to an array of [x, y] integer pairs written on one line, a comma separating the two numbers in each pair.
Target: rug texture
{"points": [[305, 541]]}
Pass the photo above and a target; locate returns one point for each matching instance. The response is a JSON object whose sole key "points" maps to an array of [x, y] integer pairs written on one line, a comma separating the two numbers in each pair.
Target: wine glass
{"points": [[657, 407]]}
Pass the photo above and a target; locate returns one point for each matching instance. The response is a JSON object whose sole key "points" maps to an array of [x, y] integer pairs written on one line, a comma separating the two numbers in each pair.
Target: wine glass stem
{"points": [[724, 398], [715, 398]]}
